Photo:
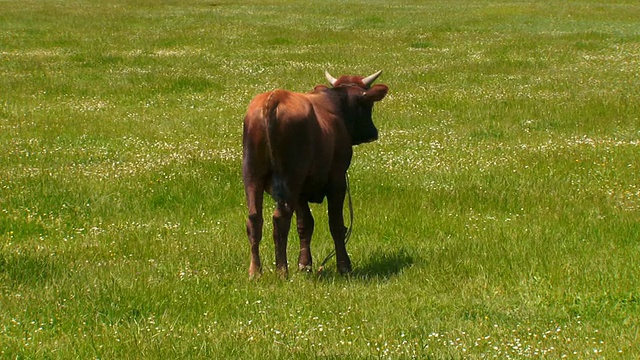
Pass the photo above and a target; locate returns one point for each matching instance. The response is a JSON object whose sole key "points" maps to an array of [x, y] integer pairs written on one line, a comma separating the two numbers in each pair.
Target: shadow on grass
{"points": [[379, 266], [27, 269]]}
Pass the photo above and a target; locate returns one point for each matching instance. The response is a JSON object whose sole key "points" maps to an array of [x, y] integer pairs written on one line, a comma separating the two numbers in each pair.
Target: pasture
{"points": [[498, 216]]}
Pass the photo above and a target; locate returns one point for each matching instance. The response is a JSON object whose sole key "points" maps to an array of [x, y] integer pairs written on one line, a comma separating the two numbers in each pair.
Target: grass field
{"points": [[498, 216]]}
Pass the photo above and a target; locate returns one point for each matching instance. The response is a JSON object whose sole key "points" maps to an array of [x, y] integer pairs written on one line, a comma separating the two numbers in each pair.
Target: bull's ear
{"points": [[376, 93], [319, 88]]}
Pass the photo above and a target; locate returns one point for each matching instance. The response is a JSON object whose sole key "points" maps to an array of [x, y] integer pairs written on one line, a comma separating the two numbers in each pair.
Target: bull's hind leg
{"points": [[305, 231], [281, 225], [335, 204], [255, 194]]}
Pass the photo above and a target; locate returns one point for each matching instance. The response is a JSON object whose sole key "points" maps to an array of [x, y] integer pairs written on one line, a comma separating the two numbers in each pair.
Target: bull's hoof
{"points": [[254, 272], [305, 268], [345, 269], [283, 272]]}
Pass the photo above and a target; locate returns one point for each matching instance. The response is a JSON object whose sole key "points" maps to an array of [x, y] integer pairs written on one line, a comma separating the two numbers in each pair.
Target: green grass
{"points": [[497, 216]]}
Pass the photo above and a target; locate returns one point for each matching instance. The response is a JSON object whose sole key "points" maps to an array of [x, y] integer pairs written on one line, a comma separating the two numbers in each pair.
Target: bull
{"points": [[297, 147]]}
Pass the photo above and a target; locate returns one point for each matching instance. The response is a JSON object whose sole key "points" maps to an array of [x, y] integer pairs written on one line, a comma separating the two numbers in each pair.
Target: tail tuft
{"points": [[279, 189]]}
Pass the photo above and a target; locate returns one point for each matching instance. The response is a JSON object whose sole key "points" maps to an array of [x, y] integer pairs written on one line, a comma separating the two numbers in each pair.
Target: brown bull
{"points": [[298, 147]]}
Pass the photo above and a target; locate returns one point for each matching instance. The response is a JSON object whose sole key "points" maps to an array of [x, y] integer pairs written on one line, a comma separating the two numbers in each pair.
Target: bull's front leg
{"points": [[305, 231], [335, 203]]}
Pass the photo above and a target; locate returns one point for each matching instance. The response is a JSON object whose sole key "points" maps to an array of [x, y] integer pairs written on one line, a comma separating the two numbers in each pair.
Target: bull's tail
{"points": [[279, 188]]}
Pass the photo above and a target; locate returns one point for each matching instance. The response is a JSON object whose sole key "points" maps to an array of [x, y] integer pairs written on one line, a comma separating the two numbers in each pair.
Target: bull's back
{"points": [[280, 137]]}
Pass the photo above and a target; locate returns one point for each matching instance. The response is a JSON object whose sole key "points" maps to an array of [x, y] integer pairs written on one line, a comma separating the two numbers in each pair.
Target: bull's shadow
{"points": [[378, 266]]}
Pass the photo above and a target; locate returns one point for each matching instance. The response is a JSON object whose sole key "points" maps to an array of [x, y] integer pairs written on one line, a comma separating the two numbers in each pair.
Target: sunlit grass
{"points": [[496, 217]]}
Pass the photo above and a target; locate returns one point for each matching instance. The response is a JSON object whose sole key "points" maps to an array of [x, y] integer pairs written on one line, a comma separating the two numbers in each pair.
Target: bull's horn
{"points": [[330, 78], [371, 78]]}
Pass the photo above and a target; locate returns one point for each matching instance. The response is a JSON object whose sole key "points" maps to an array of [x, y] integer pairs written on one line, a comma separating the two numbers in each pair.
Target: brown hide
{"points": [[297, 147]]}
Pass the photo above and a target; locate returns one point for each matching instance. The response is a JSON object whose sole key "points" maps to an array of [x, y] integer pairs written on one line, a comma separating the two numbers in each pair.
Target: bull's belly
{"points": [[316, 198], [314, 191]]}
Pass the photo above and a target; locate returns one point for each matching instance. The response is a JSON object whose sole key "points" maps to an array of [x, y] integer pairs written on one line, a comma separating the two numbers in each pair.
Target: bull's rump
{"points": [[281, 143]]}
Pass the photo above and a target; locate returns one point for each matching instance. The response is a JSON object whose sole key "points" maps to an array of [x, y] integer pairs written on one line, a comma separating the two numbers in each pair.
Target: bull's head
{"points": [[364, 83], [358, 104]]}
